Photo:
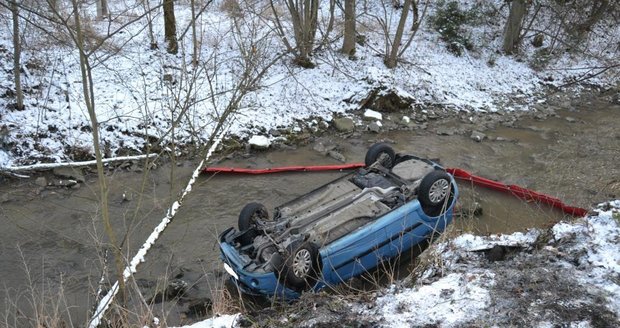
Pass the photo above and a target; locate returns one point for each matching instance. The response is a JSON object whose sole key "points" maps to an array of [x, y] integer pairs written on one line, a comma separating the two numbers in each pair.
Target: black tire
{"points": [[435, 192], [247, 221], [302, 267], [375, 151]]}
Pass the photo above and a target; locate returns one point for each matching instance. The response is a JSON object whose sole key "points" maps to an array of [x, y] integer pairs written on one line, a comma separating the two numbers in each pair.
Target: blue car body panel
{"points": [[353, 254]]}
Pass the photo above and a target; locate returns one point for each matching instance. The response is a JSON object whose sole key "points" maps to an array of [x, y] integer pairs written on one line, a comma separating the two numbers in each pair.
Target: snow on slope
{"points": [[580, 265], [140, 92]]}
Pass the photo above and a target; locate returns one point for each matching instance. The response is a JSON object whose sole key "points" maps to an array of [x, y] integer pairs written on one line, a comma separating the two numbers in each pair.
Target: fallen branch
{"points": [[50, 166], [150, 241]]}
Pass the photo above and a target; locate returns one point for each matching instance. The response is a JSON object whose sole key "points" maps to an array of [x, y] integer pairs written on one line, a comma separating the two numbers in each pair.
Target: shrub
{"points": [[448, 20]]}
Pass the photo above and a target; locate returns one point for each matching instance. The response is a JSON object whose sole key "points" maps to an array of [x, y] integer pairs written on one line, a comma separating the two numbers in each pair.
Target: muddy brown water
{"points": [[50, 243]]}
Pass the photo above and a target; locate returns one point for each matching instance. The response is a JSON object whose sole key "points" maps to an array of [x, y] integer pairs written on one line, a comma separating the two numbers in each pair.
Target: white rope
{"points": [[49, 166], [139, 257]]}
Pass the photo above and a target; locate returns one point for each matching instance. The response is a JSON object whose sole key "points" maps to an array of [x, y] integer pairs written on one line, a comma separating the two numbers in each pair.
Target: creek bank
{"points": [[566, 275], [437, 118], [489, 157]]}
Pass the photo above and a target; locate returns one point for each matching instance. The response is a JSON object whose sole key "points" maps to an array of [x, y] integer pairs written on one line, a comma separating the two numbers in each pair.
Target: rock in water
{"points": [[375, 127], [259, 142], [41, 181], [477, 136], [69, 173], [337, 156], [344, 124]]}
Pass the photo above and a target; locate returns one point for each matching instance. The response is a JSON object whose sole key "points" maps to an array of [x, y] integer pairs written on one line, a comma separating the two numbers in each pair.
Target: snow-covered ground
{"points": [[566, 275], [140, 94]]}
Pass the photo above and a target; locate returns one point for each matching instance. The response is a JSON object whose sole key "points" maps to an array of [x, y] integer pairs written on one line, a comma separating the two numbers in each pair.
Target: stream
{"points": [[51, 243]]}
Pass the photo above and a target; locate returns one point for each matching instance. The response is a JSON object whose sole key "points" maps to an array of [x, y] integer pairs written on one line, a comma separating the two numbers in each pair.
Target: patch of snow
{"points": [[223, 321], [259, 141], [472, 243], [5, 159], [369, 113], [453, 299]]}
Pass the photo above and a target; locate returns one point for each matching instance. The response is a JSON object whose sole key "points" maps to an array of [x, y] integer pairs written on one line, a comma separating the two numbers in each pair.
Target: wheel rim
{"points": [[439, 190], [385, 160], [302, 263]]}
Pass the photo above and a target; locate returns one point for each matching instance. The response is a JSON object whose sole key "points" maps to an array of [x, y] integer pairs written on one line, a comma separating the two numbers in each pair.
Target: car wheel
{"points": [[435, 192], [247, 221], [301, 269], [382, 152]]}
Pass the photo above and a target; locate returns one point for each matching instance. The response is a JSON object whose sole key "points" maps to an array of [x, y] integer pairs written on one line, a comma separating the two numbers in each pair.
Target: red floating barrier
{"points": [[520, 192]]}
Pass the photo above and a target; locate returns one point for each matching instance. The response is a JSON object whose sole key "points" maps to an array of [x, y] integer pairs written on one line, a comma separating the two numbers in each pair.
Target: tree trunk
{"points": [[304, 15], [513, 26], [19, 95], [149, 22], [102, 8], [392, 58], [599, 8], [348, 45], [89, 96], [170, 27], [194, 35]]}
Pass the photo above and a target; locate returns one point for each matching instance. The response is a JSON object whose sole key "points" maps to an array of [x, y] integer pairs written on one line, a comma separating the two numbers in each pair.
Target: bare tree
{"points": [[599, 8], [348, 44], [514, 23], [89, 100], [391, 55], [149, 22], [170, 27], [304, 16], [19, 95], [396, 42]]}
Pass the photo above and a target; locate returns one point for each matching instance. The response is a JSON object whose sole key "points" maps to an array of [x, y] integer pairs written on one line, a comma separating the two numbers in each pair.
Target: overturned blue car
{"points": [[341, 229]]}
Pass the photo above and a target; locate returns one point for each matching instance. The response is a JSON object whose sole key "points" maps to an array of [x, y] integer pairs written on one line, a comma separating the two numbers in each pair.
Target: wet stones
{"points": [[570, 119], [41, 181], [386, 100], [175, 289], [329, 150], [199, 307], [477, 136], [69, 173], [375, 126], [344, 124]]}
